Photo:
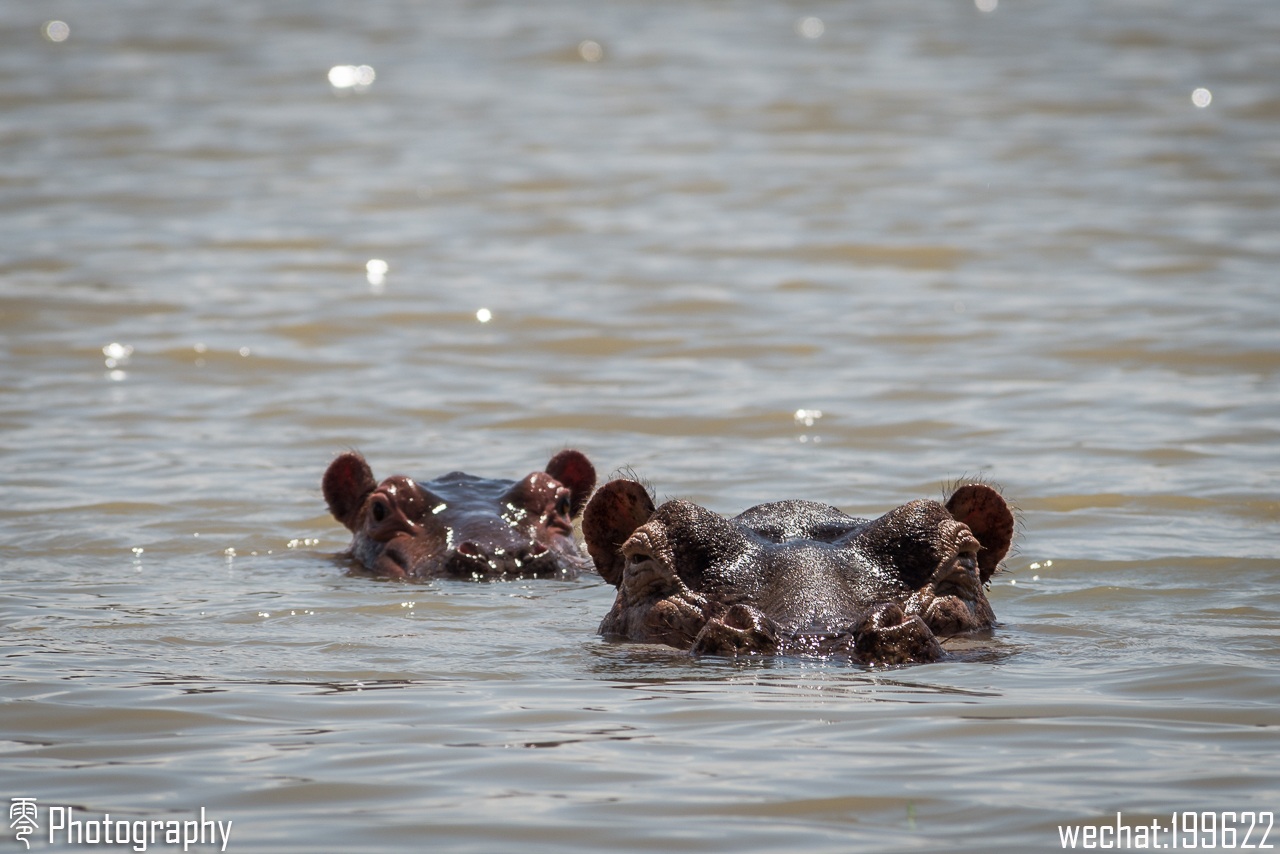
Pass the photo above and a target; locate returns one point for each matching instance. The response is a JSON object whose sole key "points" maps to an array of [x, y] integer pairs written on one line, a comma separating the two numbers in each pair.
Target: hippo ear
{"points": [[346, 484], [988, 515], [612, 515], [574, 470]]}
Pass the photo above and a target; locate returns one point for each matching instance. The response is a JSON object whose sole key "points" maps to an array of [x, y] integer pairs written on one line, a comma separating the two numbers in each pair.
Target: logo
{"points": [[22, 818]]}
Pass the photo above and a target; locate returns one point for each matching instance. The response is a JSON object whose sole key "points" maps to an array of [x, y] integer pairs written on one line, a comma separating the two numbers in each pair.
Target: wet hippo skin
{"points": [[460, 525], [798, 576]]}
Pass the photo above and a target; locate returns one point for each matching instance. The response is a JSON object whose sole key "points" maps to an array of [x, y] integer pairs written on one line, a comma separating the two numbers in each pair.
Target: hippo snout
{"points": [[486, 558], [476, 551]]}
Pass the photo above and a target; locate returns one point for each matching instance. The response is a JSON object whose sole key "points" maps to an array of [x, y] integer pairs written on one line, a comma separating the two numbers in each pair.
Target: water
{"points": [[1004, 243]]}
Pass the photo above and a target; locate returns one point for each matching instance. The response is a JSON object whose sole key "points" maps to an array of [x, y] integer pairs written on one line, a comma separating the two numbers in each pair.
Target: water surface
{"points": [[745, 255]]}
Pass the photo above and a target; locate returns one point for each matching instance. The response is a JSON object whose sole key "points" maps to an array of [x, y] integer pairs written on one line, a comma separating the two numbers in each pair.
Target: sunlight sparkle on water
{"points": [[1202, 97], [484, 315], [986, 5], [590, 51], [376, 271], [807, 416], [116, 357], [355, 78], [117, 354], [56, 31]]}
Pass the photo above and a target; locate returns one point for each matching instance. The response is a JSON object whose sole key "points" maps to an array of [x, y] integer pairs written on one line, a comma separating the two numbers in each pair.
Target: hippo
{"points": [[798, 577], [460, 525]]}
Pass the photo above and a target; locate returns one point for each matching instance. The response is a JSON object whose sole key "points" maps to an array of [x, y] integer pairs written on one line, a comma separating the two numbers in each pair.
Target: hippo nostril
{"points": [[470, 549]]}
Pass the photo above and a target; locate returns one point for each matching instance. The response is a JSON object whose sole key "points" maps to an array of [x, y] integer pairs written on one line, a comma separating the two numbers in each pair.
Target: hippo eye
{"points": [[637, 557], [968, 560], [379, 510]]}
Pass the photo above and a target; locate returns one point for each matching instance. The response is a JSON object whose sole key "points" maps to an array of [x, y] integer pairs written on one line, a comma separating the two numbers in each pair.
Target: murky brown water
{"points": [[1006, 243]]}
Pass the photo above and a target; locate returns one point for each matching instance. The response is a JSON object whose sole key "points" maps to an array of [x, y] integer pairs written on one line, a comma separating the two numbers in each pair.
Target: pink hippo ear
{"points": [[612, 515], [347, 482], [574, 470], [988, 515]]}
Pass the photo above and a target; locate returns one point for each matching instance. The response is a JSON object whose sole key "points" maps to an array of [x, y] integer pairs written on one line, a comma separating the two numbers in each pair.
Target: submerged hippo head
{"points": [[797, 575], [460, 525]]}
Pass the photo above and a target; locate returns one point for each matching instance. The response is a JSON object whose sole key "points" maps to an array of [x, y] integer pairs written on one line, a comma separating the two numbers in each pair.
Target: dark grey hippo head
{"points": [[460, 525], [798, 575]]}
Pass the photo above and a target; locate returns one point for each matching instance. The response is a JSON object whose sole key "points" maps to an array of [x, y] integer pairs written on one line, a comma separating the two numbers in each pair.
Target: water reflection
{"points": [[663, 670], [319, 687], [613, 733]]}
